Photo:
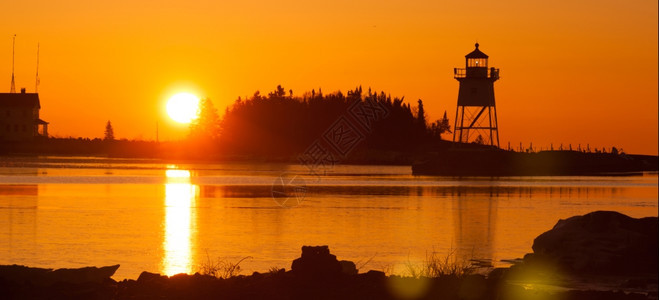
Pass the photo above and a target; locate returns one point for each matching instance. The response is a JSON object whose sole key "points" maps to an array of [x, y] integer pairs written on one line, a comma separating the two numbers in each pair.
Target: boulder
{"points": [[43, 277], [473, 286], [151, 277], [316, 261], [86, 274], [601, 242], [348, 267]]}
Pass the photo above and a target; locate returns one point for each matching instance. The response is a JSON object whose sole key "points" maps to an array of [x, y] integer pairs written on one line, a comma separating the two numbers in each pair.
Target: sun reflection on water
{"points": [[179, 222]]}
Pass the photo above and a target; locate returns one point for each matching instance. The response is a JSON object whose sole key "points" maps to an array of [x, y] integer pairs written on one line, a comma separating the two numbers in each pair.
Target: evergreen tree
{"points": [[444, 125], [421, 115], [207, 125], [440, 127], [109, 132]]}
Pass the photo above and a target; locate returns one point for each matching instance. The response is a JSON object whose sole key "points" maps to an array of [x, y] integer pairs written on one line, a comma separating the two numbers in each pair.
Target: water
{"points": [[170, 218]]}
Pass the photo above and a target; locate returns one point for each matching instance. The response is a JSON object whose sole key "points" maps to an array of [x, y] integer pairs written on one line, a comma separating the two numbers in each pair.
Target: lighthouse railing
{"points": [[492, 73], [459, 73]]}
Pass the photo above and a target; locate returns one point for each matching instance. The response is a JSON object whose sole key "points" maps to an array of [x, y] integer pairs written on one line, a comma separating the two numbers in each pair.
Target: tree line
{"points": [[280, 124]]}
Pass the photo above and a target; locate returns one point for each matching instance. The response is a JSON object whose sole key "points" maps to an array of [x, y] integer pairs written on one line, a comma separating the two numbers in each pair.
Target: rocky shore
{"points": [[601, 255], [499, 162]]}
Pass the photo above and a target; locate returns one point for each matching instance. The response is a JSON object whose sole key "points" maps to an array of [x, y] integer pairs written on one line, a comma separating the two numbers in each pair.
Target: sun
{"points": [[183, 107]]}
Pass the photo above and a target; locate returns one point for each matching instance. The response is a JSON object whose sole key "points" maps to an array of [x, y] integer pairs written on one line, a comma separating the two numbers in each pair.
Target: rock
{"points": [[87, 274], [600, 242], [20, 274], [497, 274], [150, 277], [348, 267], [43, 277], [375, 275], [316, 261], [473, 286]]}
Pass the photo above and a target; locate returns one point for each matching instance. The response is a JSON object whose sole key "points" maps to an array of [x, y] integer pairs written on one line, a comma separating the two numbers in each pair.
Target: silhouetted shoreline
{"points": [[448, 158], [175, 151], [600, 255], [497, 162]]}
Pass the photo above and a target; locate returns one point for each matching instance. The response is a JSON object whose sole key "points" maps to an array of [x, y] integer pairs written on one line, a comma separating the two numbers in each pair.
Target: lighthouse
{"points": [[476, 112]]}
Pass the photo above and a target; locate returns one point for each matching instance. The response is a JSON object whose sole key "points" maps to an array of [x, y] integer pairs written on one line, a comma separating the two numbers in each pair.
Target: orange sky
{"points": [[571, 71]]}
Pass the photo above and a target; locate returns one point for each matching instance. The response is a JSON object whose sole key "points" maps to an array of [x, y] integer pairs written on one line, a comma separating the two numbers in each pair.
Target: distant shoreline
{"points": [[496, 162], [172, 151]]}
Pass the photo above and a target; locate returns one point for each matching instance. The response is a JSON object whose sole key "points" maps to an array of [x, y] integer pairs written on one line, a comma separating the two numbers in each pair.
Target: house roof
{"points": [[476, 54], [26, 100]]}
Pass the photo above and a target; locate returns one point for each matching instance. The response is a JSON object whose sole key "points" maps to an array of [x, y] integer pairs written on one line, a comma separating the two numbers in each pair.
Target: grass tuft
{"points": [[221, 268], [436, 265], [274, 270], [360, 264]]}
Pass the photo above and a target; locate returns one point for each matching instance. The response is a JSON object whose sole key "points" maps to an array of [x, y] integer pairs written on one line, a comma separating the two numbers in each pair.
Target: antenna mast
{"points": [[36, 85], [13, 47]]}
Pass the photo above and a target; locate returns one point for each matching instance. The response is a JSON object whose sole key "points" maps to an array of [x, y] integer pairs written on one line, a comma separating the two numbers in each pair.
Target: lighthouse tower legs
{"points": [[476, 124]]}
